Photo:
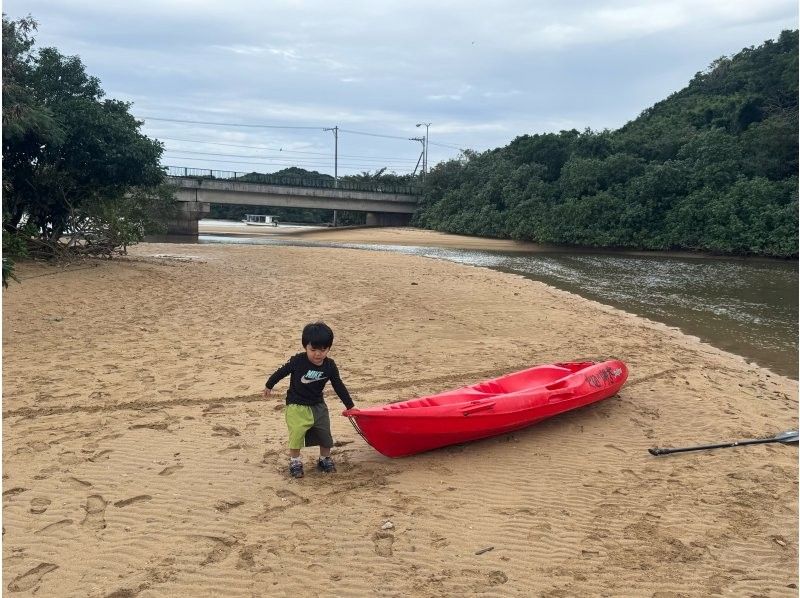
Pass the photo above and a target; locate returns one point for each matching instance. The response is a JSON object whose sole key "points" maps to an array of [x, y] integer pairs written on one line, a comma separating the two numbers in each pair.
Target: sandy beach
{"points": [[139, 458], [365, 234]]}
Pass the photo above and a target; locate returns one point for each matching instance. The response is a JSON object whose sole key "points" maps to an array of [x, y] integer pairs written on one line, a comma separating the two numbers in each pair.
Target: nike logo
{"points": [[305, 380]]}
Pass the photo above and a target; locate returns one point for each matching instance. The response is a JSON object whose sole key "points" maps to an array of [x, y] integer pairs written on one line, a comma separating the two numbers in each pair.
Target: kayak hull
{"points": [[486, 409]]}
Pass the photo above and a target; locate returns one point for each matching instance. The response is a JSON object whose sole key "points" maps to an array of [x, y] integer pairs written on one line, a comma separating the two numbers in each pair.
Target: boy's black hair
{"points": [[319, 335]]}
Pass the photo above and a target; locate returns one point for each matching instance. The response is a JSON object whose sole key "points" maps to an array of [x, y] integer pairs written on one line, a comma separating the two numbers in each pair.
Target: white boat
{"points": [[260, 220]]}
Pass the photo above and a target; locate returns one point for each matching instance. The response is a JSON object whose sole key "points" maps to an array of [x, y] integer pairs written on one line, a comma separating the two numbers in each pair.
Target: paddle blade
{"points": [[789, 437]]}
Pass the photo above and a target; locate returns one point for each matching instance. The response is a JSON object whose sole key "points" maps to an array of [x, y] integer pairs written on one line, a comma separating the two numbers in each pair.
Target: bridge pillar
{"points": [[187, 215], [387, 219]]}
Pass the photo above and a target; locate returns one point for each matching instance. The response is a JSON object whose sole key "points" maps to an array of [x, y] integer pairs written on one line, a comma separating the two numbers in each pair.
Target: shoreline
{"points": [[138, 453], [424, 237]]}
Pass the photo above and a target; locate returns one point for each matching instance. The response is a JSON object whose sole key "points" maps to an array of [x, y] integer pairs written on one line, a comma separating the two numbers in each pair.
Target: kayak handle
{"points": [[352, 420], [557, 385], [560, 396], [476, 408]]}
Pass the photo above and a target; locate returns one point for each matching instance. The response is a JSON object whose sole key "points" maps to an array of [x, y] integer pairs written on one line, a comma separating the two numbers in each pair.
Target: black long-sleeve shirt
{"points": [[307, 381]]}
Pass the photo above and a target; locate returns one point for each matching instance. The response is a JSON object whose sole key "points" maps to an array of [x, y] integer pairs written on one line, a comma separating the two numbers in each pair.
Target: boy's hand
{"points": [[267, 392]]}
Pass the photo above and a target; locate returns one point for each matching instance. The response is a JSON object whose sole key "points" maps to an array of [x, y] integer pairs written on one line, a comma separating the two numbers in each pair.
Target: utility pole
{"points": [[422, 153], [425, 148], [335, 162]]}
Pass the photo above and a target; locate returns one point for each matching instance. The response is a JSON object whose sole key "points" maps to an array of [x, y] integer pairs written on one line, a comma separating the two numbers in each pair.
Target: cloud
{"points": [[481, 73], [501, 94], [463, 90]]}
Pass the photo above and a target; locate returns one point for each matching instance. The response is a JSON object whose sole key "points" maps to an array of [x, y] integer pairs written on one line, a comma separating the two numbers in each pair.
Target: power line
{"points": [[295, 127], [372, 134], [201, 122], [262, 126], [285, 151], [461, 149], [317, 160], [285, 163], [287, 159]]}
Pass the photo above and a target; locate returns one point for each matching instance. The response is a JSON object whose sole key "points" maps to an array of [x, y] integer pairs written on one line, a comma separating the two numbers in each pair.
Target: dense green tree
{"points": [[587, 176], [712, 168], [73, 162]]}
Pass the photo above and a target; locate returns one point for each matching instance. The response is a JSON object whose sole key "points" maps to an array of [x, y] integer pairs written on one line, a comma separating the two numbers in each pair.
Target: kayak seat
{"points": [[533, 379], [426, 402], [490, 387]]}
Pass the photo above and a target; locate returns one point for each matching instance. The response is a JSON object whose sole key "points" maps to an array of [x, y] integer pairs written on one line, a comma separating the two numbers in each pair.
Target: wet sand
{"points": [[371, 235], [140, 459]]}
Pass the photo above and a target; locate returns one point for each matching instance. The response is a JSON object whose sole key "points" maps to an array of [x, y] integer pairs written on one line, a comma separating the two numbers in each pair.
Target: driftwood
{"points": [[67, 248]]}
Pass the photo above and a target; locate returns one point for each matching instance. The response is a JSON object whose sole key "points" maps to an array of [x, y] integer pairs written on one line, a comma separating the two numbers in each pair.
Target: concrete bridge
{"points": [[196, 194]]}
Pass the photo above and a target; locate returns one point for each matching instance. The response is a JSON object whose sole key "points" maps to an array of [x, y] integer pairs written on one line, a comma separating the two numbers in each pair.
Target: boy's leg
{"points": [[299, 418], [322, 433]]}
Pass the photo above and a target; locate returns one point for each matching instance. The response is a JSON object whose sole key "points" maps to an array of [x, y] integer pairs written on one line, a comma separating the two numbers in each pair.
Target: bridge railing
{"points": [[293, 181]]}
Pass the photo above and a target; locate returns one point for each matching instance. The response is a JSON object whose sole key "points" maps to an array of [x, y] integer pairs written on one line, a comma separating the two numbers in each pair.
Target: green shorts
{"points": [[308, 425]]}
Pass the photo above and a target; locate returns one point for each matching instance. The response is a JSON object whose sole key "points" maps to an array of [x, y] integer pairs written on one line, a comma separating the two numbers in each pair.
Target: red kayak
{"points": [[491, 407]]}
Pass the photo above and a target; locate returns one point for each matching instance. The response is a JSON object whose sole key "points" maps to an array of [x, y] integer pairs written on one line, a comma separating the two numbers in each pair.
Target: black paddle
{"points": [[789, 437]]}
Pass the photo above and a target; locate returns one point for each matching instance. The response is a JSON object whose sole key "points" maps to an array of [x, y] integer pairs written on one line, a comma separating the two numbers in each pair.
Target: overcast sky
{"points": [[481, 73]]}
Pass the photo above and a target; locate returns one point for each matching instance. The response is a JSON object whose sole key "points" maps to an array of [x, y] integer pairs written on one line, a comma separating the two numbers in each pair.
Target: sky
{"points": [[247, 86]]}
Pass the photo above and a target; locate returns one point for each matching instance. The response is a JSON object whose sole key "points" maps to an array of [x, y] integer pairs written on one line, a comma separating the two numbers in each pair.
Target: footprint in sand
{"points": [[95, 512], [383, 541], [222, 548], [631, 473], [53, 526], [32, 578], [170, 470], [225, 431], [497, 578], [46, 472], [481, 581], [289, 498], [134, 499], [151, 426], [14, 491], [69, 458], [302, 531], [213, 410], [104, 454], [38, 446], [247, 559], [226, 505], [270, 455], [39, 505], [76, 483]]}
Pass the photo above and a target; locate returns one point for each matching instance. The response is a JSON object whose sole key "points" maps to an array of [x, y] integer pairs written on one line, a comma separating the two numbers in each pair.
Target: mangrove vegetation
{"points": [[711, 168]]}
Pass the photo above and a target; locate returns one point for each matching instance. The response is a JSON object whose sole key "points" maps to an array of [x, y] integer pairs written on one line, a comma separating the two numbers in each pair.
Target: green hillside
{"points": [[711, 168]]}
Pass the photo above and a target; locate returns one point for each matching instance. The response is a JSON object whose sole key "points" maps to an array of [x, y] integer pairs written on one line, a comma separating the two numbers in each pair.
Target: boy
{"points": [[306, 413]]}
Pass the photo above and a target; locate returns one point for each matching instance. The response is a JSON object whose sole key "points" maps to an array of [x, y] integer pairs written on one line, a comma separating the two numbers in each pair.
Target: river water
{"points": [[745, 306]]}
